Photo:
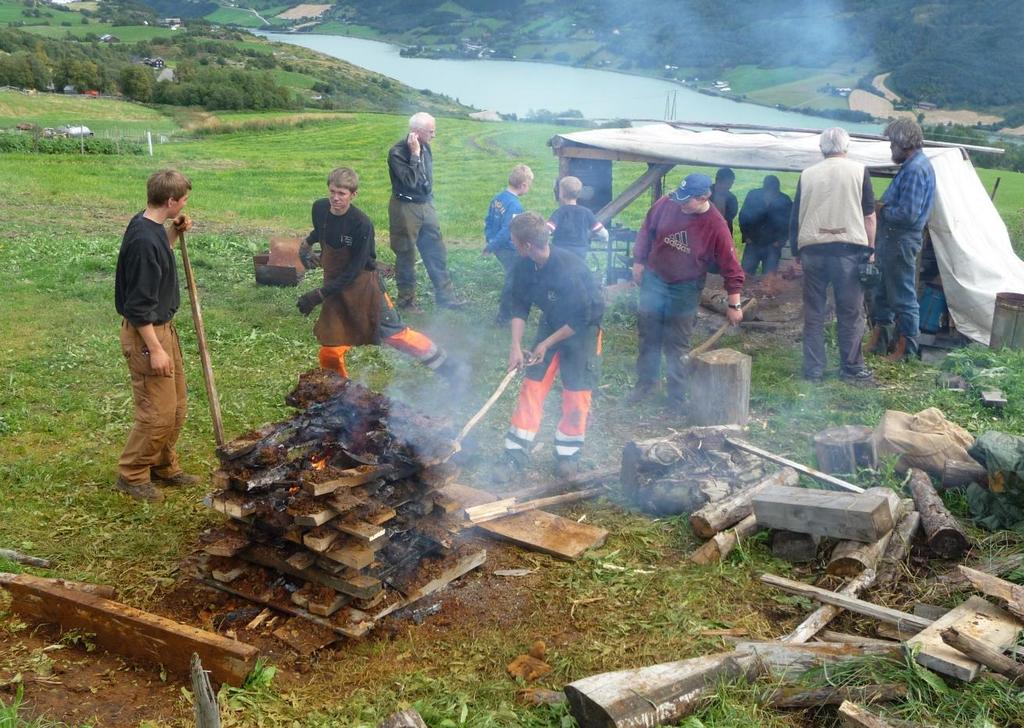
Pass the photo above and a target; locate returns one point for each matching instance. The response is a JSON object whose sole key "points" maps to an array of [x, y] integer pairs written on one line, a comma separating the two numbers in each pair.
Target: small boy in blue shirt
{"points": [[502, 209], [571, 225]]}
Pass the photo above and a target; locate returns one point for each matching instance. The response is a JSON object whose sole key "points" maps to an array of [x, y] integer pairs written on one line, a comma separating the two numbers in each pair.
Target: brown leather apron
{"points": [[351, 317]]}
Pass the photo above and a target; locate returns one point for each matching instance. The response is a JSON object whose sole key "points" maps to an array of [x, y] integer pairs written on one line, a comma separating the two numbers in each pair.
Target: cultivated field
{"points": [[65, 410]]}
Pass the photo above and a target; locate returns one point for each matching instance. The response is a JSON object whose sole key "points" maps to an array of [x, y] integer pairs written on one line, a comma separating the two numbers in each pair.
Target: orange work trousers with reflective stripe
{"points": [[408, 341]]}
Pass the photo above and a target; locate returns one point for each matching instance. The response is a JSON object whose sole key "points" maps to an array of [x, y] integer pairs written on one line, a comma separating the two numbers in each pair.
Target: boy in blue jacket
{"points": [[502, 209]]}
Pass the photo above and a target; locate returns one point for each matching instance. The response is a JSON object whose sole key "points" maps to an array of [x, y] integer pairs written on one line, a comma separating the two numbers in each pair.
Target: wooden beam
{"points": [[857, 606], [862, 517], [653, 174], [993, 586], [854, 716], [835, 482], [566, 152], [128, 631]]}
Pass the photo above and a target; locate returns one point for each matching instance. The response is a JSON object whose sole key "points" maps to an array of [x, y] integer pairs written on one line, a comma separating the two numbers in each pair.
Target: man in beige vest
{"points": [[832, 231]]}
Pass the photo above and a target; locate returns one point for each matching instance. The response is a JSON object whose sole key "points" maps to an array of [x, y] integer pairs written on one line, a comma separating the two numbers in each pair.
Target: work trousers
{"points": [[160, 407], [767, 256], [507, 257], [393, 333], [578, 361], [665, 318], [895, 298], [414, 226], [841, 272]]}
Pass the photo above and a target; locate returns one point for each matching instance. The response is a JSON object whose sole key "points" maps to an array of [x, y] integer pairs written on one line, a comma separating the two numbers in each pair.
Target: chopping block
{"points": [[280, 265]]}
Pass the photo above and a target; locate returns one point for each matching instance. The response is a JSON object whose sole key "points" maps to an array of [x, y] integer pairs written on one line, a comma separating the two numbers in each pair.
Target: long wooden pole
{"points": [[816, 474], [204, 352]]}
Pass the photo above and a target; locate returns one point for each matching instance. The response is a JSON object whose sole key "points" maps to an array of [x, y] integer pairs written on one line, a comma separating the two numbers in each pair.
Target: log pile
{"points": [[336, 512]]}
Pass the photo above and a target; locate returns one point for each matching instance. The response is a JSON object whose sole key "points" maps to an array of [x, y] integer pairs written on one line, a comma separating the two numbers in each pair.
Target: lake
{"points": [[520, 87]]}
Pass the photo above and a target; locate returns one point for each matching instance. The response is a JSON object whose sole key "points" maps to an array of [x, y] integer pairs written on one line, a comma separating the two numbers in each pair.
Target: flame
{"points": [[319, 464]]}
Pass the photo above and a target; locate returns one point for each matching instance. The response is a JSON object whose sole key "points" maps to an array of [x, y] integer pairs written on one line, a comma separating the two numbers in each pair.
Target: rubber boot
{"points": [[901, 351]]}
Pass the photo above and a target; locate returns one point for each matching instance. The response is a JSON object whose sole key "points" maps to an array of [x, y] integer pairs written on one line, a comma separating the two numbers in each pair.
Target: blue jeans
{"points": [[895, 297], [765, 255], [665, 317]]}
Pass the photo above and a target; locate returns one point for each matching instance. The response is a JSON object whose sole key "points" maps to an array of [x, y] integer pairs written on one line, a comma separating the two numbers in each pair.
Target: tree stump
{"points": [[961, 473], [845, 449], [720, 388]]}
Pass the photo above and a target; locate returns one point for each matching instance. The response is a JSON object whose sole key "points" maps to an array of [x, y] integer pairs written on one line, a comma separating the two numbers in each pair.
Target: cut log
{"points": [[407, 718], [720, 388], [649, 696], [846, 449], [858, 606], [719, 515], [976, 618], [849, 558], [961, 473], [851, 516], [830, 480], [895, 556], [721, 544], [983, 653], [802, 697], [128, 631], [993, 586], [796, 548], [854, 716], [945, 536]]}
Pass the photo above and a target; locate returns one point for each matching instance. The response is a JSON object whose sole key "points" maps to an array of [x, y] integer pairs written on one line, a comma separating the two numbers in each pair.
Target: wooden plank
{"points": [[993, 586], [854, 716], [349, 479], [787, 658], [858, 606], [855, 517], [352, 555], [128, 631], [653, 174], [363, 532], [547, 533], [461, 566], [271, 559], [976, 618], [811, 472]]}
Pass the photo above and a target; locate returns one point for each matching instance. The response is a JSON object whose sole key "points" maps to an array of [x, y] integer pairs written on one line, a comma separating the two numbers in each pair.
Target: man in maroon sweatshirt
{"points": [[682, 235]]}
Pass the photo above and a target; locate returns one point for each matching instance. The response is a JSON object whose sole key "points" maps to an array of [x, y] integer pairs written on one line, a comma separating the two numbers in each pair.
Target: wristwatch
{"points": [[737, 306]]}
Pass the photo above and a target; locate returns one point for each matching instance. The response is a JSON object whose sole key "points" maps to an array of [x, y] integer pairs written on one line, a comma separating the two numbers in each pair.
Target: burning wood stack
{"points": [[336, 511]]}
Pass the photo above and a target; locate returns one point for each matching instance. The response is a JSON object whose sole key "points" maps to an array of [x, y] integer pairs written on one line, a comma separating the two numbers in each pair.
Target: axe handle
{"points": [[748, 307], [204, 352], [487, 406]]}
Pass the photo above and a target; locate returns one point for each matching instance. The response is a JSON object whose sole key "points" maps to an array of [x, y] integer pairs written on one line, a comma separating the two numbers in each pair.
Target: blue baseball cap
{"points": [[693, 185]]}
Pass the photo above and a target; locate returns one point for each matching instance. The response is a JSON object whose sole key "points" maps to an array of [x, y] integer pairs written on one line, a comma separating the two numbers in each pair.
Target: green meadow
{"points": [[65, 409]]}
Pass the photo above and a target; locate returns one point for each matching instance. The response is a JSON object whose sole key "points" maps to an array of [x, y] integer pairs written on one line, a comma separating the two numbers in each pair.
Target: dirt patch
{"points": [[304, 11], [880, 108], [879, 83]]}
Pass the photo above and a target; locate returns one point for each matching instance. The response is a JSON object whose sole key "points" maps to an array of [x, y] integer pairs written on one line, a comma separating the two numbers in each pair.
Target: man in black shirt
{"points": [[147, 297], [568, 341], [412, 218], [356, 309], [764, 225]]}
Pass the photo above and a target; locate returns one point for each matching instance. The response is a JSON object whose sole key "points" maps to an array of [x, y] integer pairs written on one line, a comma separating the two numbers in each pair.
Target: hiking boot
{"points": [[409, 305], [511, 467], [179, 478], [139, 491], [859, 378], [880, 341], [453, 303], [567, 467], [641, 392], [454, 370]]}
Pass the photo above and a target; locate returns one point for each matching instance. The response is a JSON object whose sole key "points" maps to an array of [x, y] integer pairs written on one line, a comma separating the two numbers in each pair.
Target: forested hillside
{"points": [[954, 54]]}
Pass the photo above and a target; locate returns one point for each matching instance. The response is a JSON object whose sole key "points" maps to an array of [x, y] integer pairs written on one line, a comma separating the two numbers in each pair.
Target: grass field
{"points": [[100, 115], [65, 410], [124, 33]]}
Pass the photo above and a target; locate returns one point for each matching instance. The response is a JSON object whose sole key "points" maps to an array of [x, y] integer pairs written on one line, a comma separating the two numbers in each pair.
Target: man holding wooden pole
{"points": [[147, 297]]}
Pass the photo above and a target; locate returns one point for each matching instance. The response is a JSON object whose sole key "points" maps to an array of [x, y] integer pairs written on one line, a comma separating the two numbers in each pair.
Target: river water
{"points": [[521, 87]]}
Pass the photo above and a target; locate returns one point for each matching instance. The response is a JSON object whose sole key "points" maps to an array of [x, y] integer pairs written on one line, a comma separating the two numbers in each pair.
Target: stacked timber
{"points": [[336, 512]]}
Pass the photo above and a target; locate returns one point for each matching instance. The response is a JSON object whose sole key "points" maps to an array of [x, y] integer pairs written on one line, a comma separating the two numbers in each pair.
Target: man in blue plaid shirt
{"points": [[902, 215]]}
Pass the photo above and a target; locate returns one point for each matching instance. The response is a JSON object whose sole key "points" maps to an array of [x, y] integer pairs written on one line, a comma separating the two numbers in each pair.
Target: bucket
{"points": [[932, 309], [1008, 322]]}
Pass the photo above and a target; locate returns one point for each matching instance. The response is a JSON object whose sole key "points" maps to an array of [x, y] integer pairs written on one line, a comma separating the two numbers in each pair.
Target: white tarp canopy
{"points": [[971, 242]]}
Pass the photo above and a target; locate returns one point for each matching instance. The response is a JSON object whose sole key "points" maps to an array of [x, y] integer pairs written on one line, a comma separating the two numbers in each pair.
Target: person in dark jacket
{"points": [[356, 309], [412, 218], [764, 225], [147, 297], [568, 344]]}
